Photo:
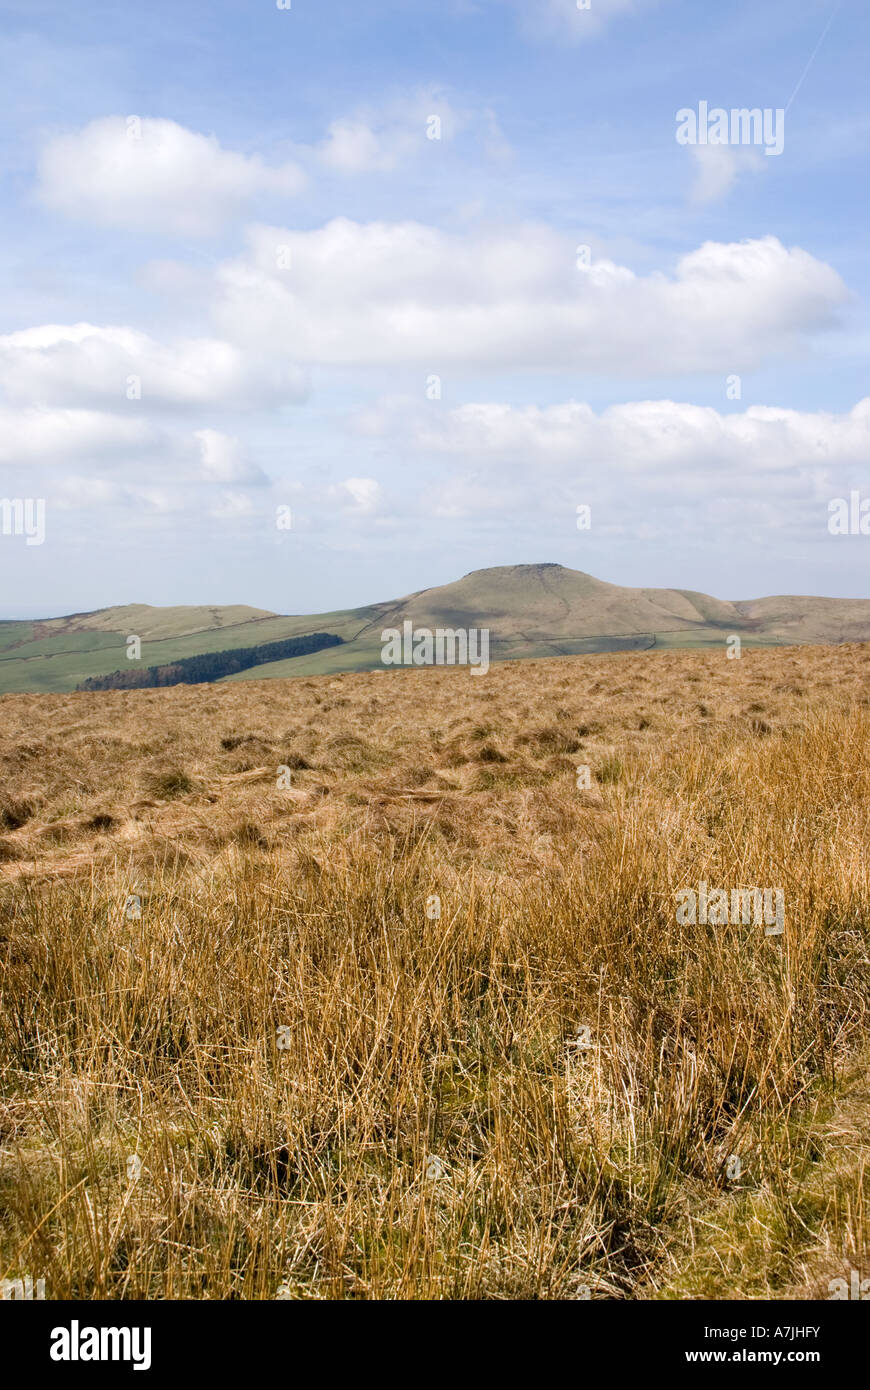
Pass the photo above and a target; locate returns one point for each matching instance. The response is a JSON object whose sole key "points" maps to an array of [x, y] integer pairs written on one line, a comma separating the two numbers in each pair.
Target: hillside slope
{"points": [[548, 610], [59, 653], [530, 610]]}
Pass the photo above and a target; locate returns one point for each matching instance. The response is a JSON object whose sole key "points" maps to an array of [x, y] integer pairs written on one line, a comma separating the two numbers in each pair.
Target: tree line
{"points": [[210, 666]]}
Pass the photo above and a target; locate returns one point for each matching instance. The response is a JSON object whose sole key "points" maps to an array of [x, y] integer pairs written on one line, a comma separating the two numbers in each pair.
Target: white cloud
{"points": [[377, 140], [222, 459], [717, 168], [354, 146], [83, 364], [155, 175], [130, 448], [671, 449], [398, 293], [38, 436]]}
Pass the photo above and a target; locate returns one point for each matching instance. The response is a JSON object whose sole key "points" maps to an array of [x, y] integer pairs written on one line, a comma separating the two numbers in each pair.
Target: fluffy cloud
{"points": [[390, 293], [717, 167], [675, 450], [155, 175], [379, 140], [354, 146], [124, 446], [82, 364], [37, 436], [223, 461]]}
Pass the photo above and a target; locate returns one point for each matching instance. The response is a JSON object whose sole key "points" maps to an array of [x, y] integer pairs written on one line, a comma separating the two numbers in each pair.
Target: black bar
{"points": [[236, 1338]]}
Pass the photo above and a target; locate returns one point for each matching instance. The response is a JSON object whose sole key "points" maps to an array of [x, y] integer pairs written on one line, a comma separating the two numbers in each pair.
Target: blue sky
{"points": [[238, 274]]}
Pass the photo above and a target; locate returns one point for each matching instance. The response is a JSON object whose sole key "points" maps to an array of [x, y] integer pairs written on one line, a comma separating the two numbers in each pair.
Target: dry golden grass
{"points": [[425, 1128]]}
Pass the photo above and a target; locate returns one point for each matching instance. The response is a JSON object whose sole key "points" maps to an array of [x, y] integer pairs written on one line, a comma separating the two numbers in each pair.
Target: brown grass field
{"points": [[285, 1075]]}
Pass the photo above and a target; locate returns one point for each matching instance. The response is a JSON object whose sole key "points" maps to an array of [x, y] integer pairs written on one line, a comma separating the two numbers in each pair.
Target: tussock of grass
{"points": [[14, 814], [168, 783], [610, 770]]}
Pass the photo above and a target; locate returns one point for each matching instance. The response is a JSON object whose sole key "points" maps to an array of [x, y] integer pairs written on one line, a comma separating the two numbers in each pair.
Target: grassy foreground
{"points": [[296, 981]]}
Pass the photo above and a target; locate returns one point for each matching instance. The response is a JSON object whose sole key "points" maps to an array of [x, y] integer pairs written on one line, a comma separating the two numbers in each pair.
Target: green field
{"points": [[63, 660]]}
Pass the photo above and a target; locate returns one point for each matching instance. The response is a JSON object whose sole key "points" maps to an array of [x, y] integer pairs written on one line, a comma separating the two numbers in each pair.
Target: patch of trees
{"points": [[211, 666]]}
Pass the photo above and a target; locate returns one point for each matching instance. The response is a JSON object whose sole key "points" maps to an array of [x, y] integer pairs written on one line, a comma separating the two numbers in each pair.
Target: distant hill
{"points": [[530, 611], [549, 610], [157, 624]]}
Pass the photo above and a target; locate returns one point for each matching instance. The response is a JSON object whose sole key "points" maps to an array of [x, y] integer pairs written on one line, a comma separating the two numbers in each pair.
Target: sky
{"points": [[316, 306]]}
